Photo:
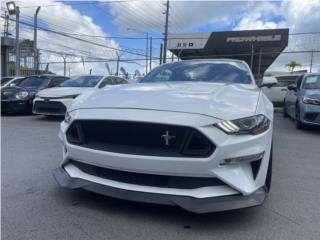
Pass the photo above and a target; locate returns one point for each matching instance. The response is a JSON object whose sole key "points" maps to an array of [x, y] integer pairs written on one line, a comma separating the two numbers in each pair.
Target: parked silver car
{"points": [[302, 101]]}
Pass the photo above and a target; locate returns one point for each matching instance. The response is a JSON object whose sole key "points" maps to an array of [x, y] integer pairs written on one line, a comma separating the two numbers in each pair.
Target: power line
{"points": [[98, 61], [79, 39], [80, 3], [143, 38], [30, 18]]}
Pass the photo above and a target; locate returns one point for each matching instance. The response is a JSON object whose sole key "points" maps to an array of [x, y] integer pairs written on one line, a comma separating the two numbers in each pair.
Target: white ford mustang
{"points": [[197, 134], [55, 101]]}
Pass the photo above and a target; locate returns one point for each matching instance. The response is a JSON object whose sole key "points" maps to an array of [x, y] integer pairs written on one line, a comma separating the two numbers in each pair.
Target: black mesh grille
{"points": [[140, 138], [149, 179], [49, 107]]}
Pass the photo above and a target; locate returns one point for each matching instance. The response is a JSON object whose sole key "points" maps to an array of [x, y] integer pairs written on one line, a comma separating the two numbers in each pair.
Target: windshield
{"points": [[219, 72], [311, 82], [35, 81], [81, 81], [5, 80]]}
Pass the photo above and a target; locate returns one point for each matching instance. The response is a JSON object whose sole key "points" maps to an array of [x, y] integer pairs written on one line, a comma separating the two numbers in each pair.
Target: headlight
{"points": [[308, 100], [250, 125], [67, 117], [22, 95]]}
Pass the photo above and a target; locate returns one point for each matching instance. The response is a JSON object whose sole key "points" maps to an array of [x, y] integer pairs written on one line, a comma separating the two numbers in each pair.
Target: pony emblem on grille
{"points": [[167, 138]]}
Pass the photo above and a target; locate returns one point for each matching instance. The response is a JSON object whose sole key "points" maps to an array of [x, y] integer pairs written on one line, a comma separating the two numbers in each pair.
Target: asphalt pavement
{"points": [[35, 207]]}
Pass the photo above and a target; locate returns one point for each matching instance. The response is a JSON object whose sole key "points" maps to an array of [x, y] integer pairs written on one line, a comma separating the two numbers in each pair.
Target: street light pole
{"points": [[13, 9], [35, 50], [166, 33], [17, 42]]}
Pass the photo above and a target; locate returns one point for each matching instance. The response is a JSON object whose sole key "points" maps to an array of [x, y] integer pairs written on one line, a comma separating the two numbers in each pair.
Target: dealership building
{"points": [[258, 48]]}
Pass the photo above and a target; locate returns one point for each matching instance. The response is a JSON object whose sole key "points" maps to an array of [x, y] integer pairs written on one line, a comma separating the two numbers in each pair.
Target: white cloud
{"points": [[183, 15], [63, 18]]}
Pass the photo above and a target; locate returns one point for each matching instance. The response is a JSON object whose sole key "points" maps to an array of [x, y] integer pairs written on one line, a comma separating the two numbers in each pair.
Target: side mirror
{"points": [[292, 87], [268, 82], [12, 84]]}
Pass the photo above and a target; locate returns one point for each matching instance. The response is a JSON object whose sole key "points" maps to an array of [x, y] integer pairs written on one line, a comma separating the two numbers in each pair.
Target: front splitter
{"points": [[197, 205]]}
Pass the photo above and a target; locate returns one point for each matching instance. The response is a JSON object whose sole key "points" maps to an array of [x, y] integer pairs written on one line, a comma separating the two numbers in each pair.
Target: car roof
{"points": [[13, 77], [46, 75], [312, 74], [88, 75], [213, 60]]}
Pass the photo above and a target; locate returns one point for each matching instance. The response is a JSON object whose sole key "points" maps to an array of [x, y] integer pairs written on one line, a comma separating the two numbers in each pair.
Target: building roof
{"points": [[259, 48]]}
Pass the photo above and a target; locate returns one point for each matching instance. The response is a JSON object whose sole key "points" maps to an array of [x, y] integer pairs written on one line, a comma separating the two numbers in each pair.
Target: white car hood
{"points": [[223, 101], [64, 91]]}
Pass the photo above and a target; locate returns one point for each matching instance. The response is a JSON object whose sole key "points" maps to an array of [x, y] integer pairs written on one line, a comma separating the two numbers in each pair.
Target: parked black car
{"points": [[19, 98]]}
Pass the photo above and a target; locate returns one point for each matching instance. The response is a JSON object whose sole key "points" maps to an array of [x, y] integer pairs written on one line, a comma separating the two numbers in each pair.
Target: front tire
{"points": [[299, 124], [285, 114], [269, 173]]}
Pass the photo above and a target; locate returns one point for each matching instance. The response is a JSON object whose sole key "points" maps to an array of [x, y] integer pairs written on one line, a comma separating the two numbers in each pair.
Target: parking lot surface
{"points": [[35, 207]]}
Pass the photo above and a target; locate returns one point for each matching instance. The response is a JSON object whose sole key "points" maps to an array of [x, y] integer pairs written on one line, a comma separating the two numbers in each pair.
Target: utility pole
{"points": [[17, 42], [252, 56], [161, 51], [150, 61], [118, 60], [311, 62], [64, 66], [35, 49], [166, 33], [147, 49]]}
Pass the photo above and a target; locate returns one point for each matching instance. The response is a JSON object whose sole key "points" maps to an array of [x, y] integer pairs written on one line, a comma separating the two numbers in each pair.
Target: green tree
{"points": [[292, 65]]}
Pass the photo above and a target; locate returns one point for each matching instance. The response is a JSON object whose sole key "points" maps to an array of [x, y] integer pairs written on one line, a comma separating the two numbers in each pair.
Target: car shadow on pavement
{"points": [[134, 211], [306, 128], [16, 114], [311, 129], [49, 118]]}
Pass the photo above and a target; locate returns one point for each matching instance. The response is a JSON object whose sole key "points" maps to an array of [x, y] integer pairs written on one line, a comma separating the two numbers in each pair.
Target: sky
{"points": [[109, 29]]}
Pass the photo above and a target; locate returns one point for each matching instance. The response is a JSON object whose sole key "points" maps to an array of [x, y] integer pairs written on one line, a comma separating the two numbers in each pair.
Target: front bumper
{"points": [[8, 106], [192, 204], [242, 186], [310, 114]]}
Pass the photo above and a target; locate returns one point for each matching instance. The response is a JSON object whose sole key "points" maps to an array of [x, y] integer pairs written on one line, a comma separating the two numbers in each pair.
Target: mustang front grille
{"points": [[144, 179], [139, 138]]}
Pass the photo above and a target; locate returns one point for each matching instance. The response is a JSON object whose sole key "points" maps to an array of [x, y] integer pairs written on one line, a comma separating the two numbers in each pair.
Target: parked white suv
{"points": [[277, 93], [197, 134]]}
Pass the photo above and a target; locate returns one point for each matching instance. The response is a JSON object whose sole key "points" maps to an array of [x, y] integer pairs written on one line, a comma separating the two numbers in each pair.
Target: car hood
{"points": [[19, 89], [224, 101], [64, 91]]}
